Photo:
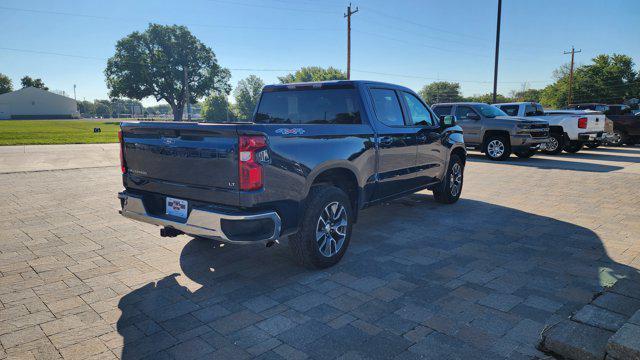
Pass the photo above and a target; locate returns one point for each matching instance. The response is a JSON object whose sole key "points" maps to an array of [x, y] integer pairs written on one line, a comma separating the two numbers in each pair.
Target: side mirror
{"points": [[449, 121], [472, 116]]}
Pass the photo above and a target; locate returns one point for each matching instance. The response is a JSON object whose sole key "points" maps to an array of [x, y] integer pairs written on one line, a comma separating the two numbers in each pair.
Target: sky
{"points": [[408, 42]]}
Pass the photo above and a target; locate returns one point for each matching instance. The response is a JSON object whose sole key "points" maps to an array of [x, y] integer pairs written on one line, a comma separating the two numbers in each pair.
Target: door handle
{"points": [[422, 138], [386, 140]]}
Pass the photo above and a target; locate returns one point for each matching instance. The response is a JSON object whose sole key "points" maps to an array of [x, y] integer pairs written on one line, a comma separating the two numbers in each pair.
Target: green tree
{"points": [[5, 84], [246, 95], [313, 73], [488, 98], [155, 62], [441, 91], [87, 108], [216, 108], [102, 108], [526, 95], [608, 79], [27, 81]]}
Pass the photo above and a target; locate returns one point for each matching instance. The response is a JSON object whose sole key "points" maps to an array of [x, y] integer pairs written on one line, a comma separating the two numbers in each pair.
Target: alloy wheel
{"points": [[455, 179], [331, 230], [553, 144], [495, 148]]}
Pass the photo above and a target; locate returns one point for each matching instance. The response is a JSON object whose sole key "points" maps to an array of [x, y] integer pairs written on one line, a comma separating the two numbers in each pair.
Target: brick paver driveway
{"points": [[529, 242]]}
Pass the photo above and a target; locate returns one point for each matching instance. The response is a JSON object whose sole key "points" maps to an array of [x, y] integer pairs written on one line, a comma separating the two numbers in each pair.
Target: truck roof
{"points": [[333, 83], [461, 103], [517, 103]]}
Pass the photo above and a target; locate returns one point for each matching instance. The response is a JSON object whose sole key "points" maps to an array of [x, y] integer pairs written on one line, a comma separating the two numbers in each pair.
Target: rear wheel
{"points": [[450, 188], [325, 231], [618, 138], [497, 147], [573, 147], [555, 145], [525, 154]]}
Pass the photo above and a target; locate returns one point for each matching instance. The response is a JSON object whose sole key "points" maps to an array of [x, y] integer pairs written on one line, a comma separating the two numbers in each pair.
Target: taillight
{"points": [[249, 168], [123, 166], [582, 123]]}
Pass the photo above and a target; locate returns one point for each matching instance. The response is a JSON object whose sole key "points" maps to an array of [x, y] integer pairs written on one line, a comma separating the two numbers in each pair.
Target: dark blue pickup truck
{"points": [[313, 156]]}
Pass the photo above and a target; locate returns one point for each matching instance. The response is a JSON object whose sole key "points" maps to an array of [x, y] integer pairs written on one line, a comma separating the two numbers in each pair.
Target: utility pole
{"points": [[495, 68], [348, 16], [572, 52], [74, 92], [186, 94]]}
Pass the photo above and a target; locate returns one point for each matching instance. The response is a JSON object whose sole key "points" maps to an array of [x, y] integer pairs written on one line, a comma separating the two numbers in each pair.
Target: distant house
{"points": [[34, 103]]}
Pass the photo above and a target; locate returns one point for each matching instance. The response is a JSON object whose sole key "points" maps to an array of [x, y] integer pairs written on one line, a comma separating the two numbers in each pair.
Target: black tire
{"points": [[305, 249], [573, 147], [445, 192], [525, 154], [501, 143], [557, 144], [592, 145]]}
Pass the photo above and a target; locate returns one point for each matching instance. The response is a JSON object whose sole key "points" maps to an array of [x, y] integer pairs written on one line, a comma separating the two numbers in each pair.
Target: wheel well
{"points": [[343, 179], [461, 153], [495, 133]]}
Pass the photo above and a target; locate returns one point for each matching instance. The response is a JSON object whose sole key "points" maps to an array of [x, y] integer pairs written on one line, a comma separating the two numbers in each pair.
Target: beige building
{"points": [[34, 103]]}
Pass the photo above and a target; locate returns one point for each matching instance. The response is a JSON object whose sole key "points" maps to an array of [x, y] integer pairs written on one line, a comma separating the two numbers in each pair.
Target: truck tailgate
{"points": [[182, 159], [595, 122]]}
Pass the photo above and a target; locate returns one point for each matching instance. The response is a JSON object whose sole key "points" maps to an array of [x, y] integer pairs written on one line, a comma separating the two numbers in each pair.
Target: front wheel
{"points": [[325, 231], [525, 154], [573, 147], [497, 148], [555, 145], [450, 188]]}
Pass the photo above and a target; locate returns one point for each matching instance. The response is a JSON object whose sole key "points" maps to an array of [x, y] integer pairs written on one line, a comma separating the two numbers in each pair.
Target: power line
{"points": [[273, 7], [112, 18]]}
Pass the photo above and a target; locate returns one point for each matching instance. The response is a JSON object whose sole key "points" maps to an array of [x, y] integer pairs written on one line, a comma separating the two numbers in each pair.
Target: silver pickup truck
{"points": [[493, 132]]}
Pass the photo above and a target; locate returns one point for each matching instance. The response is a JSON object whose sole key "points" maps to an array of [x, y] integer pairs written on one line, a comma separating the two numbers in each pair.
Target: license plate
{"points": [[177, 207]]}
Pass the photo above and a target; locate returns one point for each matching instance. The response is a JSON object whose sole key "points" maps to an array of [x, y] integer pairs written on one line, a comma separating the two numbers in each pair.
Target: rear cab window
{"points": [[511, 110], [532, 110], [309, 106], [387, 107], [442, 110]]}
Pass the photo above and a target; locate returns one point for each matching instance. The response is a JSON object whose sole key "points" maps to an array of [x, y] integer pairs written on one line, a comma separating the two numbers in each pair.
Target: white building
{"points": [[34, 103]]}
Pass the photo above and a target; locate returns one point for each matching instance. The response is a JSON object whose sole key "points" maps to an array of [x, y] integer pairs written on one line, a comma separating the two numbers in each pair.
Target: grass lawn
{"points": [[26, 132]]}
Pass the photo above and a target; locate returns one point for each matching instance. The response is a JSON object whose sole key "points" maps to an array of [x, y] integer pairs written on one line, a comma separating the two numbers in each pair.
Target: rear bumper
{"points": [[591, 136], [207, 223]]}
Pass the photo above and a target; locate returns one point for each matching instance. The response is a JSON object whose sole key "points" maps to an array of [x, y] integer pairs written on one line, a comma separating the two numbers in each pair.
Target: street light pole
{"points": [[495, 68]]}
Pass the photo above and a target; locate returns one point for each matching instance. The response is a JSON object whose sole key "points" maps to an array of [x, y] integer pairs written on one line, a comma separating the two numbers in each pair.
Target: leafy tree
{"points": [[5, 84], [488, 98], [160, 109], [154, 63], [609, 79], [102, 108], [313, 73], [246, 95], [27, 81], [526, 95], [86, 108], [441, 91], [216, 108]]}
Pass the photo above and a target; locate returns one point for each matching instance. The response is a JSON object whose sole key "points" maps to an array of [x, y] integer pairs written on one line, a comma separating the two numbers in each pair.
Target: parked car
{"points": [[569, 130], [626, 123], [491, 131], [312, 157]]}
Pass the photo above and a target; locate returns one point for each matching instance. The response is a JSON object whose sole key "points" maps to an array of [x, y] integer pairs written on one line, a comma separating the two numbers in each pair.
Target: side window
{"points": [[387, 107], [442, 110], [511, 110], [420, 115], [529, 110], [463, 111]]}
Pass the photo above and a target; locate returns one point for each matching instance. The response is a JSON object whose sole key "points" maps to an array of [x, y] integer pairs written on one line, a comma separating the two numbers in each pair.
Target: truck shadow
{"points": [[557, 163], [451, 266]]}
